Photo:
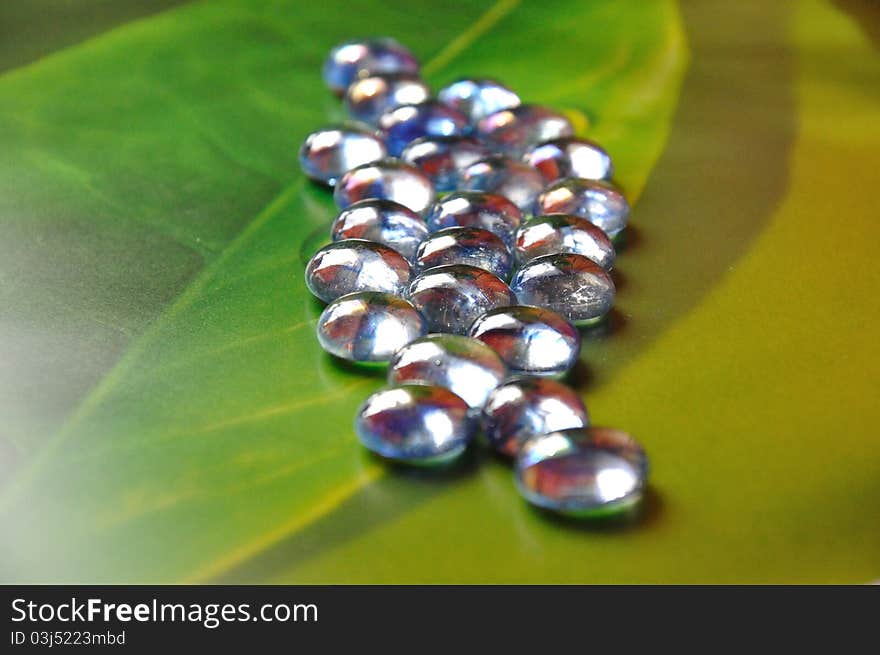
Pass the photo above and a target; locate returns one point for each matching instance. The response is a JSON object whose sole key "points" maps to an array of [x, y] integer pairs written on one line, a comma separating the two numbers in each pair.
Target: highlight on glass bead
{"points": [[388, 179], [530, 340], [601, 203], [452, 297], [356, 265], [467, 367], [477, 98], [383, 221], [488, 211], [524, 407], [582, 472], [369, 97], [572, 285], [352, 59], [465, 245], [503, 176], [552, 233], [327, 154], [513, 131], [415, 424], [403, 125], [368, 326], [570, 157], [443, 158]]}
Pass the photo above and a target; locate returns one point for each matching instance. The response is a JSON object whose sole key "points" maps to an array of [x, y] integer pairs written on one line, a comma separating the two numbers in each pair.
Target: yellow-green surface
{"points": [[153, 227]]}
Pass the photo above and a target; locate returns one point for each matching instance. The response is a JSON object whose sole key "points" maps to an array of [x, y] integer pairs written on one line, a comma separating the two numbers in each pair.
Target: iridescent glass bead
{"points": [[465, 245], [403, 125], [415, 424], [570, 157], [601, 203], [452, 297], [370, 97], [443, 158], [530, 340], [383, 221], [368, 326], [356, 265], [388, 179], [545, 235], [513, 131], [327, 154], [475, 209], [354, 59], [467, 367], [524, 407], [571, 285], [582, 471], [503, 176], [478, 98]]}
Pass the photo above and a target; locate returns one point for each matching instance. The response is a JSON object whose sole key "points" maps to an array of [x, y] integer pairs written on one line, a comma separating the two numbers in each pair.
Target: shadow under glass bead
{"points": [[388, 179], [327, 154], [554, 233], [403, 125], [465, 245], [570, 157], [582, 472], [352, 59], [601, 203], [356, 265], [513, 131], [525, 407], [500, 175], [369, 97], [478, 98], [382, 221], [488, 211], [443, 158]]}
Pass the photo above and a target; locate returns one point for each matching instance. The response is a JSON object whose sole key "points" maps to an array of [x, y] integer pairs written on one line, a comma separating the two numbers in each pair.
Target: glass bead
{"points": [[601, 203], [465, 245], [403, 125], [356, 265], [415, 424], [497, 174], [525, 407], [582, 472], [467, 367], [545, 235], [443, 158], [452, 297], [530, 340], [329, 153], [570, 157], [383, 221], [388, 179], [352, 59], [513, 131], [368, 326], [370, 97], [571, 285], [478, 98], [476, 209]]}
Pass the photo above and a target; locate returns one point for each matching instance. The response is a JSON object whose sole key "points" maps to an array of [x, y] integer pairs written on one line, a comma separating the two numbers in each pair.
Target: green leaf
{"points": [[224, 429]]}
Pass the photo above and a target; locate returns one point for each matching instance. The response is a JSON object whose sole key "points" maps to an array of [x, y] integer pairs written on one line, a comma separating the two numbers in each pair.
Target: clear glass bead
{"points": [[415, 424], [513, 131], [582, 471], [488, 211], [571, 285], [465, 245], [383, 221], [403, 125], [601, 203], [478, 98], [388, 179], [370, 97], [530, 340], [467, 367], [525, 407], [503, 176], [354, 59], [368, 326], [443, 158], [452, 297], [570, 157], [545, 235], [356, 265], [327, 154]]}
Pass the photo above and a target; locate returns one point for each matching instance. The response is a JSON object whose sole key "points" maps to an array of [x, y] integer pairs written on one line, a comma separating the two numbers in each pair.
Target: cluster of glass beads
{"points": [[474, 240]]}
